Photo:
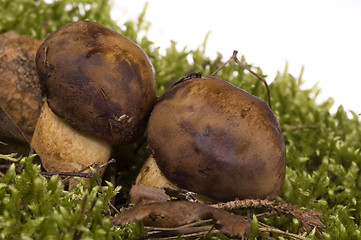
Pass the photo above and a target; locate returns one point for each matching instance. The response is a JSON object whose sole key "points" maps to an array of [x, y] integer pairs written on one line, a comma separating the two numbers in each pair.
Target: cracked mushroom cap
{"points": [[212, 138], [97, 80]]}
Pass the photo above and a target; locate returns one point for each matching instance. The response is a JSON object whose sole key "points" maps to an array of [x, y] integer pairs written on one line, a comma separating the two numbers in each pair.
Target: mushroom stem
{"points": [[151, 175], [62, 148]]}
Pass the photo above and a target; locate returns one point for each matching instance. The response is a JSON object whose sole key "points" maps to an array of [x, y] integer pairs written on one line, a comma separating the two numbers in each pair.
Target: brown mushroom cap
{"points": [[97, 80], [215, 139]]}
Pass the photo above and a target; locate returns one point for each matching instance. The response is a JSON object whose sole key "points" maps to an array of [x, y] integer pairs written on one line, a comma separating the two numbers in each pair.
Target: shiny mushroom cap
{"points": [[97, 80], [212, 138]]}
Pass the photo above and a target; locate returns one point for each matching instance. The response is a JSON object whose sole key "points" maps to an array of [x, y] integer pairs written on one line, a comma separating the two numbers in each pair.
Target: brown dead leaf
{"points": [[178, 213], [141, 194]]}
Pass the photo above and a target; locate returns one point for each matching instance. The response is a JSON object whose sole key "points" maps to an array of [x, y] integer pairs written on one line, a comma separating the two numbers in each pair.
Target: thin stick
{"points": [[223, 65], [308, 218], [261, 234], [197, 223], [234, 57], [173, 232], [81, 171], [276, 230], [79, 174], [113, 207]]}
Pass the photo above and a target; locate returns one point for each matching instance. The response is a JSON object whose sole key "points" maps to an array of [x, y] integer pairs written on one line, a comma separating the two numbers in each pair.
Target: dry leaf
{"points": [[141, 194], [178, 213]]}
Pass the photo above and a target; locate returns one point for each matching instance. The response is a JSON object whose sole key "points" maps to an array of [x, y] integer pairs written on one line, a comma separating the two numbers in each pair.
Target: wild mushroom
{"points": [[212, 138], [151, 175], [100, 90]]}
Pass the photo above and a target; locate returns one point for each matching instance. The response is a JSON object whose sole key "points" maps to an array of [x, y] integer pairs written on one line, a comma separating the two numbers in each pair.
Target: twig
{"points": [[175, 232], [209, 232], [265, 214], [234, 57], [266, 228], [223, 65], [81, 171], [79, 174], [308, 218], [197, 223], [261, 234], [68, 174], [113, 207]]}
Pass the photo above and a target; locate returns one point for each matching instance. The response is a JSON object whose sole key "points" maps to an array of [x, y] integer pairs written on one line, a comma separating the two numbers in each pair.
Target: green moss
{"points": [[37, 18], [33, 207], [323, 149]]}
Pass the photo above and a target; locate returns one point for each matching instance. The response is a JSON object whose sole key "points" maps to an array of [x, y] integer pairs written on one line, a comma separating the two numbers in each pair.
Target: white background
{"points": [[324, 36]]}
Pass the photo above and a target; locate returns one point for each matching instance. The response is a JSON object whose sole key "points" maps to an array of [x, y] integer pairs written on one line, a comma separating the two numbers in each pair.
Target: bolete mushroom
{"points": [[100, 90], [212, 138]]}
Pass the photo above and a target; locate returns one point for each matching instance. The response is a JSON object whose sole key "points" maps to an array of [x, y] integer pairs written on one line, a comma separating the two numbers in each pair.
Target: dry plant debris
{"points": [[178, 213], [173, 218], [309, 219]]}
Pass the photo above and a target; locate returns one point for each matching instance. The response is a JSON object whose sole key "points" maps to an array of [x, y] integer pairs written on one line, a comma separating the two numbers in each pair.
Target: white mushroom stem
{"points": [[61, 148], [151, 175]]}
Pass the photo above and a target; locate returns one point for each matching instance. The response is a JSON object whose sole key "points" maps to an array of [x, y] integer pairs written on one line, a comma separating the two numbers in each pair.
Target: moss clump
{"points": [[34, 207], [40, 17]]}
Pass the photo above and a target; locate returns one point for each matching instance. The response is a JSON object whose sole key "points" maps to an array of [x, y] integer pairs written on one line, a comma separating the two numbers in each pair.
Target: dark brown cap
{"points": [[97, 80], [215, 139]]}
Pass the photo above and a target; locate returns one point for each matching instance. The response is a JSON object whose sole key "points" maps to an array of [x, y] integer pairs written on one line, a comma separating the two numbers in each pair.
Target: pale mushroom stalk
{"points": [[62, 148], [151, 175]]}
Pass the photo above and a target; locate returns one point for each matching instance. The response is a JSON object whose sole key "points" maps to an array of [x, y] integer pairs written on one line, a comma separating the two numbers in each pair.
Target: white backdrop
{"points": [[324, 36]]}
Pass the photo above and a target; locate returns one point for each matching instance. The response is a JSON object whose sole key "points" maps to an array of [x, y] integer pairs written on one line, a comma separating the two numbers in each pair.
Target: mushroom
{"points": [[100, 90], [212, 138], [64, 149], [151, 175]]}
